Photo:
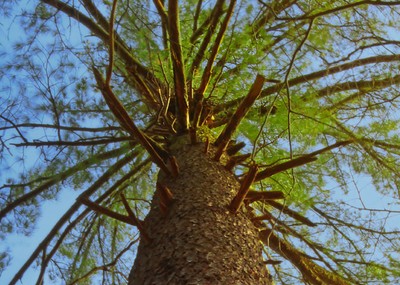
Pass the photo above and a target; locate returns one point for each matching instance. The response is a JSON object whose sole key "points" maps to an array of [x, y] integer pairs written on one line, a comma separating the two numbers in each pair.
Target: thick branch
{"points": [[213, 21], [314, 76], [225, 136], [269, 171], [253, 196], [164, 20], [127, 123], [178, 65], [244, 188], [341, 8], [362, 85], [205, 79], [103, 210], [66, 128], [111, 44], [234, 160], [311, 271], [86, 142]]}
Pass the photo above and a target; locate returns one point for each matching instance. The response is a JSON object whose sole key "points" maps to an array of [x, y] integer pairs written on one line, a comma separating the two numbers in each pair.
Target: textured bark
{"points": [[199, 241]]}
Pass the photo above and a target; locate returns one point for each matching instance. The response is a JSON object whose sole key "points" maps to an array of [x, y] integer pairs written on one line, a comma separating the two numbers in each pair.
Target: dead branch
{"points": [[174, 166], [235, 160], [197, 112], [127, 123], [253, 196], [244, 188], [193, 136], [207, 145], [234, 148], [166, 195]]}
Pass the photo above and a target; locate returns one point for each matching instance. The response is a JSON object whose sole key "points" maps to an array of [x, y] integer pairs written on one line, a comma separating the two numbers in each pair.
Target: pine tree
{"points": [[207, 142]]}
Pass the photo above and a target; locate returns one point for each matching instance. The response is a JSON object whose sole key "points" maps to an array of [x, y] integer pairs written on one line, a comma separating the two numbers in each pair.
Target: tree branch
{"points": [[269, 171], [62, 176], [111, 44], [314, 76], [225, 136], [362, 85], [105, 267], [285, 209], [138, 223], [213, 21], [93, 188], [66, 128], [127, 123], [74, 143], [105, 211], [164, 20], [205, 79], [253, 196], [311, 271], [140, 73], [178, 66], [72, 224], [341, 8], [244, 189]]}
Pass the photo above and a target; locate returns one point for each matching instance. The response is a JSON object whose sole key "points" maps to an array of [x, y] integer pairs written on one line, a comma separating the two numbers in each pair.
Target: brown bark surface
{"points": [[199, 241]]}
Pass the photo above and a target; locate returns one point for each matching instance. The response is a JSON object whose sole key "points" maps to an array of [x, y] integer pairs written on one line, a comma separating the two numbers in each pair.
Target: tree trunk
{"points": [[198, 240]]}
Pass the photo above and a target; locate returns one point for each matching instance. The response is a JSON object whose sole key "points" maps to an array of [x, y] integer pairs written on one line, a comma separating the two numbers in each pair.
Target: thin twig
{"points": [[138, 223], [289, 101]]}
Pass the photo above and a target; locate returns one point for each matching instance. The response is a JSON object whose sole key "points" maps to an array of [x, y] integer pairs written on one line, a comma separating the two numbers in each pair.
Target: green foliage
{"points": [[56, 128]]}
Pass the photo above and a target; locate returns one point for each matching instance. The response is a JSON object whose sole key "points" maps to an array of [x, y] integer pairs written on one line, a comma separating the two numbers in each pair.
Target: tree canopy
{"points": [[91, 91]]}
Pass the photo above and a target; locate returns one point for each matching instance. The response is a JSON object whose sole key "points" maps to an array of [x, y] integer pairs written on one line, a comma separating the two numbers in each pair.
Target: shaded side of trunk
{"points": [[199, 241]]}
